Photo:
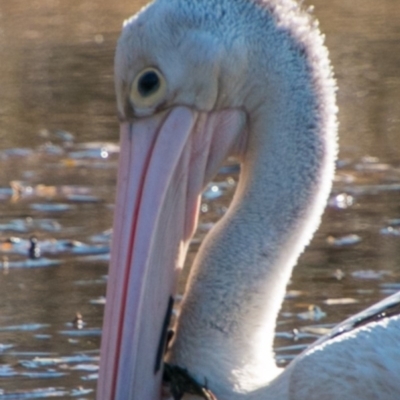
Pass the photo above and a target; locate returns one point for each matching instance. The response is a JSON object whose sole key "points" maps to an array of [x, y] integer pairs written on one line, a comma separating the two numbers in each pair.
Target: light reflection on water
{"points": [[57, 95]]}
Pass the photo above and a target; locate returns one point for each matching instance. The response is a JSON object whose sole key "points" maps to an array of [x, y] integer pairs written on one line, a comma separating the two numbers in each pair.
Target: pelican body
{"points": [[198, 81]]}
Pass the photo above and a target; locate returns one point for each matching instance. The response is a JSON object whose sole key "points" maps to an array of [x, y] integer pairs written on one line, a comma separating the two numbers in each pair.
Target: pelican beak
{"points": [[165, 161]]}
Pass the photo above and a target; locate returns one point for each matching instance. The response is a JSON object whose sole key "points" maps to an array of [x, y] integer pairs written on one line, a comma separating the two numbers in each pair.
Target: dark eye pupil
{"points": [[148, 83]]}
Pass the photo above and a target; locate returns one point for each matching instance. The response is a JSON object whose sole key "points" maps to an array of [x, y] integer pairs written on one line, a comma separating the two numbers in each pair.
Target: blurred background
{"points": [[58, 158]]}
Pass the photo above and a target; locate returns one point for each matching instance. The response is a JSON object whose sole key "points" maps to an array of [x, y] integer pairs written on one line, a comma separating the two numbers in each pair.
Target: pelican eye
{"points": [[148, 88], [148, 83]]}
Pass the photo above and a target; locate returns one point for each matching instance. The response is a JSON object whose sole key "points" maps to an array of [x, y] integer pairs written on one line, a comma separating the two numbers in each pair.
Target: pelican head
{"points": [[196, 64], [196, 82]]}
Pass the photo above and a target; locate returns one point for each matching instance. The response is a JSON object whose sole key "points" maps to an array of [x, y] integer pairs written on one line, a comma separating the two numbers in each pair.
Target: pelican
{"points": [[198, 81]]}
